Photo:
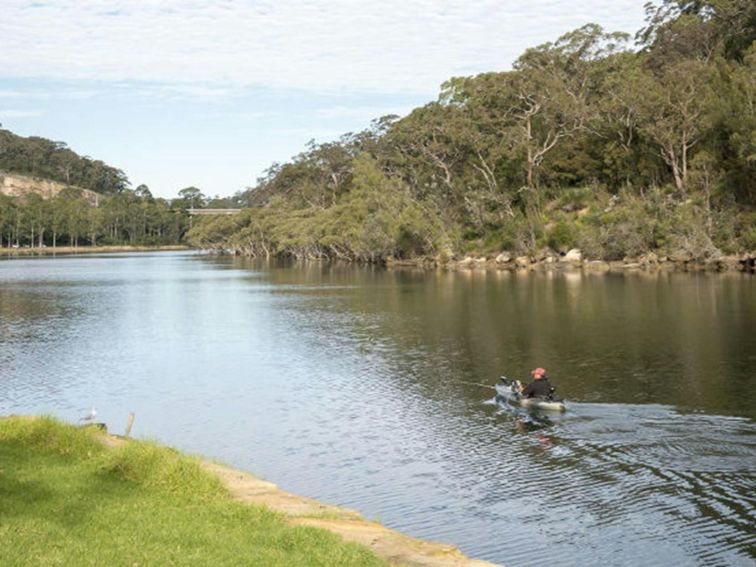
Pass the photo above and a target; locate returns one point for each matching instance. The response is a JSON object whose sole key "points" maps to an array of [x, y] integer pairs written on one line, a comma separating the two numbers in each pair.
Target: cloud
{"points": [[11, 113], [77, 94], [397, 46], [182, 91], [23, 94]]}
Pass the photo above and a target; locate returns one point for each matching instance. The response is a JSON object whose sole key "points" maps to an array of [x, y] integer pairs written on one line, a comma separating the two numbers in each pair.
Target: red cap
{"points": [[538, 371]]}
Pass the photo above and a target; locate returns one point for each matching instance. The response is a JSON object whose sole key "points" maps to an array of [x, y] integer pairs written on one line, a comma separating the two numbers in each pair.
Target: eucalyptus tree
{"points": [[676, 110], [75, 210], [143, 192], [56, 217], [551, 92], [8, 219], [191, 198], [34, 213], [424, 151]]}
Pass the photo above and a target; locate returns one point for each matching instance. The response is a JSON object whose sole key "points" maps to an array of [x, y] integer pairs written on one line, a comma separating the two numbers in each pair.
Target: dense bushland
{"points": [[128, 217], [585, 142]]}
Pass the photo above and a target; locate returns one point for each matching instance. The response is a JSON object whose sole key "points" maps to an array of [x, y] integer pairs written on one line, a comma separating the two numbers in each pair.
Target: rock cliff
{"points": [[15, 185]]}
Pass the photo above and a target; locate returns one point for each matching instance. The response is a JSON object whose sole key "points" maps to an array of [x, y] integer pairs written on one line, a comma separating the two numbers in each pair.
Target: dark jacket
{"points": [[537, 389]]}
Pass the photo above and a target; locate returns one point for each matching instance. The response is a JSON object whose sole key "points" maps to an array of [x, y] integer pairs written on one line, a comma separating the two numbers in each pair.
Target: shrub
{"points": [[684, 230], [614, 235], [748, 240], [576, 198], [562, 236]]}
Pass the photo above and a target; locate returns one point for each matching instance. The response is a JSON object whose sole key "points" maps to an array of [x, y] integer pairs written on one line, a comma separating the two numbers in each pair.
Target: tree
{"points": [[552, 90], [8, 219], [34, 215], [143, 192], [192, 198], [674, 113]]}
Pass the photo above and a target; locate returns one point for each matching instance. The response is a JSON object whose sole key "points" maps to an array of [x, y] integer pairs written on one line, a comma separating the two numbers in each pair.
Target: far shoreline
{"points": [[70, 250]]}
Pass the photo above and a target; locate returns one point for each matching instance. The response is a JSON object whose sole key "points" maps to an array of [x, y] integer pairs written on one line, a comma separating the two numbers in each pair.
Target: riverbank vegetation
{"points": [[131, 217], [589, 142], [67, 499], [50, 195]]}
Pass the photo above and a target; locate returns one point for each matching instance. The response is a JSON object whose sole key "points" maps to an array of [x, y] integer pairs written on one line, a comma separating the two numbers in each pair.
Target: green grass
{"points": [[67, 500]]}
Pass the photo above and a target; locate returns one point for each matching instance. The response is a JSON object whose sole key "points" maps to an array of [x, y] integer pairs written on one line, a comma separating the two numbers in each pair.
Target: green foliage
{"points": [[513, 160], [745, 229], [128, 217], [576, 198], [371, 220], [623, 228], [748, 239], [562, 236], [44, 158]]}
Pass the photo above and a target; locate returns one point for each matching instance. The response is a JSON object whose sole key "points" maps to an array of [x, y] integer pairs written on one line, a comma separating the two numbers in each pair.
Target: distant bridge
{"points": [[207, 212]]}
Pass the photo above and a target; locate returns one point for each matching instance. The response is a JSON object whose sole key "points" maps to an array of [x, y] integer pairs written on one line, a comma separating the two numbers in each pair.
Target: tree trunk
{"points": [[530, 153], [684, 159]]}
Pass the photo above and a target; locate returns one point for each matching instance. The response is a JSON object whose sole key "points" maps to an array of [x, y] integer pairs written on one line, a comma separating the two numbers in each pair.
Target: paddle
{"points": [[476, 384]]}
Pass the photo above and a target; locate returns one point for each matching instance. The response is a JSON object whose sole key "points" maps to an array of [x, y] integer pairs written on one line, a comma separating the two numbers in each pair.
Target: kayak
{"points": [[507, 392]]}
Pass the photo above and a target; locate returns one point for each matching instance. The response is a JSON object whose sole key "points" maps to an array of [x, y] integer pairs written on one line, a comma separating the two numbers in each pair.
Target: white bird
{"points": [[92, 414]]}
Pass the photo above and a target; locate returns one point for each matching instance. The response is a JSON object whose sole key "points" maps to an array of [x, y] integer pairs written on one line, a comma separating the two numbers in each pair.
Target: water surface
{"points": [[355, 386]]}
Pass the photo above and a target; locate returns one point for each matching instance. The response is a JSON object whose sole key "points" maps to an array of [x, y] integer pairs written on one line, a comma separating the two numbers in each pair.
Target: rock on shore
{"points": [[574, 259]]}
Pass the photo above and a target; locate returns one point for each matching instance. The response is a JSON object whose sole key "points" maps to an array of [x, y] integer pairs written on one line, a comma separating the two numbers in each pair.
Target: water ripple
{"points": [[358, 387]]}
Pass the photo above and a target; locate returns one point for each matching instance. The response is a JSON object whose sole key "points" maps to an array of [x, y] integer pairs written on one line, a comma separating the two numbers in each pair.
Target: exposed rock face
{"points": [[522, 261], [680, 257], [15, 185], [503, 258], [467, 261], [542, 254], [597, 265], [731, 263], [573, 256]]}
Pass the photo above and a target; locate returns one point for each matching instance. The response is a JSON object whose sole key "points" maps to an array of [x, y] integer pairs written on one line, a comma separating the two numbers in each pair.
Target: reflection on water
{"points": [[356, 386]]}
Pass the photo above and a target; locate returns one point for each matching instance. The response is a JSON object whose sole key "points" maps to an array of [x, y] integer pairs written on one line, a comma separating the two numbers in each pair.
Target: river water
{"points": [[357, 386]]}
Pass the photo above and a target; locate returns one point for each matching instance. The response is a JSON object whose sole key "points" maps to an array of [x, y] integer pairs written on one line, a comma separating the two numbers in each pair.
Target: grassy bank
{"points": [[66, 499], [50, 251]]}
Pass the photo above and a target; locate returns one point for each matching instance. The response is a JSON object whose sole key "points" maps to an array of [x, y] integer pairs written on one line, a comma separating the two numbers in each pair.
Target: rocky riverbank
{"points": [[548, 260]]}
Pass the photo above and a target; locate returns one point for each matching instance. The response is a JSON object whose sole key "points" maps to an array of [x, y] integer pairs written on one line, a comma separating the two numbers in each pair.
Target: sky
{"points": [[211, 93]]}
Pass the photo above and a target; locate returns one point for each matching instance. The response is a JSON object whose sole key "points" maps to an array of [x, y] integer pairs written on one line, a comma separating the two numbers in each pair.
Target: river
{"points": [[357, 386]]}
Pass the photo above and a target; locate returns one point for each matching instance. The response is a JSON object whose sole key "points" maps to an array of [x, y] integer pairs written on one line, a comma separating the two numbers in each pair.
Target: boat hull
{"points": [[505, 393]]}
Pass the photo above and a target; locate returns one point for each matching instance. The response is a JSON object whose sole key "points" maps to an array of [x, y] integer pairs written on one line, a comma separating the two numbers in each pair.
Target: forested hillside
{"points": [[47, 159], [615, 145], [63, 198], [130, 217]]}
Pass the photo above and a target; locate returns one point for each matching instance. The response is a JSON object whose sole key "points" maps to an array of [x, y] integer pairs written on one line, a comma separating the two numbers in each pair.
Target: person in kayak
{"points": [[539, 387]]}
